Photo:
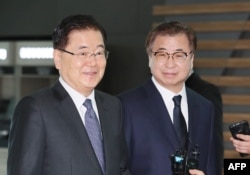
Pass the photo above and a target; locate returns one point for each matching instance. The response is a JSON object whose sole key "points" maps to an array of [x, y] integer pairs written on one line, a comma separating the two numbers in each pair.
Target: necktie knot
{"points": [[88, 104], [177, 100]]}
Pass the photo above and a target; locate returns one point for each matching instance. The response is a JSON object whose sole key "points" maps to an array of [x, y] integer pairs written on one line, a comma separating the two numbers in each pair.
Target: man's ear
{"points": [[192, 62], [57, 58], [149, 61]]}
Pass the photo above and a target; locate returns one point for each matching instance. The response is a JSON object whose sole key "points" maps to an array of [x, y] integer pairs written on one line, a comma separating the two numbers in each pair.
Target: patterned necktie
{"points": [[179, 121], [94, 132]]}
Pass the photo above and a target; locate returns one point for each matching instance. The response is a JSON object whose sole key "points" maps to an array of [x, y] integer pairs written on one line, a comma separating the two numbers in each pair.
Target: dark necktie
{"points": [[179, 121], [94, 132]]}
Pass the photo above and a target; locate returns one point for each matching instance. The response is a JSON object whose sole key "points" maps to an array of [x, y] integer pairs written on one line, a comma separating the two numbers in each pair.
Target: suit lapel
{"points": [[105, 127], [70, 115], [161, 116], [193, 115]]}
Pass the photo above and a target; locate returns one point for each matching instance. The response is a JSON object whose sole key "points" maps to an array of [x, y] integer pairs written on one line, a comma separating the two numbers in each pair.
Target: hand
{"points": [[196, 172], [243, 145]]}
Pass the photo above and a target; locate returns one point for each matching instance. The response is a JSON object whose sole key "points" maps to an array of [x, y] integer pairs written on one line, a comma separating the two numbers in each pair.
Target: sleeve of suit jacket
{"points": [[26, 144]]}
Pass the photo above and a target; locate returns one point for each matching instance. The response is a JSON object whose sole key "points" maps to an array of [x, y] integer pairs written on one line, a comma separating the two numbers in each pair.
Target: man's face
{"points": [[171, 73], [82, 74]]}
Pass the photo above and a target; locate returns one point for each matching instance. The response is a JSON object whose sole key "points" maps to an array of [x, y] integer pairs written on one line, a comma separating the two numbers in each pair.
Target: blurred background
{"points": [[29, 24]]}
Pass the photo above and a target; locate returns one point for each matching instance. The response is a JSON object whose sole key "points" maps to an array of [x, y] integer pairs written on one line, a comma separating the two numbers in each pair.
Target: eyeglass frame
{"points": [[106, 53], [185, 53]]}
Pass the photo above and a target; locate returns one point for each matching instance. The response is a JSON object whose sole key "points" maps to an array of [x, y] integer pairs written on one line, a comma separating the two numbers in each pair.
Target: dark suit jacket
{"points": [[212, 93], [151, 136], [48, 137]]}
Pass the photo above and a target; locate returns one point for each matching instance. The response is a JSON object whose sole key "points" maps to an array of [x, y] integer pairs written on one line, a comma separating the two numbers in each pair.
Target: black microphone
{"points": [[186, 158], [192, 157]]}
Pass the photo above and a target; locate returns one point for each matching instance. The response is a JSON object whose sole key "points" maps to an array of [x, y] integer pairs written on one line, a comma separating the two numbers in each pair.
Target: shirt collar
{"points": [[77, 97], [167, 93]]}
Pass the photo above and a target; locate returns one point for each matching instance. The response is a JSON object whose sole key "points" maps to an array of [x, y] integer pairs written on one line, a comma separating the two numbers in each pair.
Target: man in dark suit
{"points": [[70, 128], [149, 110], [212, 93]]}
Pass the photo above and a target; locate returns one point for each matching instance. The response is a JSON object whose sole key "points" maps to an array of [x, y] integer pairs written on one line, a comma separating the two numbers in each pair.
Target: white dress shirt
{"points": [[79, 99], [167, 97]]}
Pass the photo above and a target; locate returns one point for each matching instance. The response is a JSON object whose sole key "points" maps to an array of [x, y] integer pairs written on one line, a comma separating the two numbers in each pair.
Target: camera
{"points": [[241, 127], [182, 161]]}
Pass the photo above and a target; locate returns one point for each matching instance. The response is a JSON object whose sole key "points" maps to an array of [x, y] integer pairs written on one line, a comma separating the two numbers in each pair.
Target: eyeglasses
{"points": [[98, 55], [162, 56]]}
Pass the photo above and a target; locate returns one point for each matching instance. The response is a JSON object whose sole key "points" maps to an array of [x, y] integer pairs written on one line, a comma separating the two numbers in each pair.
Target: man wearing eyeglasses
{"points": [[70, 128], [164, 120]]}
